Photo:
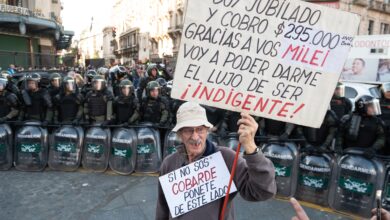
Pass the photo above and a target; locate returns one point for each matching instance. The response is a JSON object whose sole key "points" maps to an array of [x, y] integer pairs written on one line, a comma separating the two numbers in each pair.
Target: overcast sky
{"points": [[77, 14]]}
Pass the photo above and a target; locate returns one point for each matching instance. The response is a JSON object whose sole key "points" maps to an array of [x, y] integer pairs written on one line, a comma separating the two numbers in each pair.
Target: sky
{"points": [[76, 14]]}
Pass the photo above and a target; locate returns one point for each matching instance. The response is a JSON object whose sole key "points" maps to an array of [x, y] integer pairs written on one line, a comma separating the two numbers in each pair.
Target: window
{"points": [[375, 92], [54, 1], [384, 28], [350, 92], [370, 27], [13, 2]]}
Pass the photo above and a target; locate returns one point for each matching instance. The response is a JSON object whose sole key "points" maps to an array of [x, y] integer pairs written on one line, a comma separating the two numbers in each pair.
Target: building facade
{"points": [[31, 33], [375, 14]]}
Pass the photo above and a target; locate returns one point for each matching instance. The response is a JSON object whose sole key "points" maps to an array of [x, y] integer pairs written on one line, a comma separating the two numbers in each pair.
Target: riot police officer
{"points": [[165, 94], [339, 103], [36, 101], [118, 73], [126, 105], [152, 72], [363, 129], [68, 103], [9, 103], [88, 85], [320, 138], [385, 116], [98, 103], [55, 82], [11, 85], [103, 71], [153, 108]]}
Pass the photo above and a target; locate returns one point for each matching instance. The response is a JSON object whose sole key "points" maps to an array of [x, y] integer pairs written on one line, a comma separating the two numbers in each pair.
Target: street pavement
{"points": [[102, 196]]}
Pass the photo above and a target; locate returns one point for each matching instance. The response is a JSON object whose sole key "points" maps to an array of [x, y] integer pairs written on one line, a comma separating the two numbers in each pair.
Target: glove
{"points": [[369, 153], [75, 122], [283, 137], [44, 123], [3, 119]]}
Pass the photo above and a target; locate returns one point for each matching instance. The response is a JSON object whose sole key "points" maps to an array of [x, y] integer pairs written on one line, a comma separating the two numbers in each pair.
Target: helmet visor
{"points": [[340, 91], [98, 84], [126, 90], [32, 85], [56, 82], [373, 108], [386, 87], [70, 85]]}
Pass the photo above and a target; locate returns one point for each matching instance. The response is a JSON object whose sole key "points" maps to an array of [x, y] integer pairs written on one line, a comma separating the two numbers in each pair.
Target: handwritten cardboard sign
{"points": [[278, 59], [196, 184]]}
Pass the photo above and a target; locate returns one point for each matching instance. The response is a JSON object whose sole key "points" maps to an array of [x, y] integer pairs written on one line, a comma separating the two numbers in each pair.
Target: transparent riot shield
{"points": [[6, 147], [148, 150], [314, 176], [123, 151], [355, 182], [170, 143], [96, 149], [285, 159], [65, 148], [31, 143]]}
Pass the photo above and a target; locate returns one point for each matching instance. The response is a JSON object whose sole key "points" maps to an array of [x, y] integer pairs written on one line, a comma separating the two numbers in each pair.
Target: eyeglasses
{"points": [[189, 131]]}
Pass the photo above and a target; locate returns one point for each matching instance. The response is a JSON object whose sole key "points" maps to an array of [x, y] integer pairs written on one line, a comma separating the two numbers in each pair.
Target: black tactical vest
{"points": [[124, 108], [68, 107], [97, 105]]}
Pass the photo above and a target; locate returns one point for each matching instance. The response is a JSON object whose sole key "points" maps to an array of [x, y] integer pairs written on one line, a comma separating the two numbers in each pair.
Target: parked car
{"points": [[355, 90]]}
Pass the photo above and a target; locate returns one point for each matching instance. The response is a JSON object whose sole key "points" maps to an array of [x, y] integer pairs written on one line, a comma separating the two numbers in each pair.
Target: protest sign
{"points": [[277, 59], [196, 184]]}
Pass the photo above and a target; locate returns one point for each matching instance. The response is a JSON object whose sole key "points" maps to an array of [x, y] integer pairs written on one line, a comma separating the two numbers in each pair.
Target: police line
{"points": [[345, 183]]}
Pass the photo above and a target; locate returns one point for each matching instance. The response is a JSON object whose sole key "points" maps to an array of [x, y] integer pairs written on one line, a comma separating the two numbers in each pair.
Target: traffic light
{"points": [[113, 32]]}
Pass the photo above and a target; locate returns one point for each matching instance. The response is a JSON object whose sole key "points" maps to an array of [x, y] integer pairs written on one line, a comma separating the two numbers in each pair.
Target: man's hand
{"points": [[301, 214], [247, 131], [385, 215]]}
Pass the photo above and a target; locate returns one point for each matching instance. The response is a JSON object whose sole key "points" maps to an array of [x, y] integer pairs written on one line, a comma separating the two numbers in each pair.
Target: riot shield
{"points": [[285, 159], [148, 150], [96, 149], [123, 151], [171, 141], [314, 176], [355, 182], [6, 148], [31, 142], [65, 148]]}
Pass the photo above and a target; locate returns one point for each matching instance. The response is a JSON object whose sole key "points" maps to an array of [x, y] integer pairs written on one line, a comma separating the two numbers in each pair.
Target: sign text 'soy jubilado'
{"points": [[196, 184], [277, 59]]}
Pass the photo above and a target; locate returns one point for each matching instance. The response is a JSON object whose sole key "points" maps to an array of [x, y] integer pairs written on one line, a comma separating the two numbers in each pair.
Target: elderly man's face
{"points": [[194, 139]]}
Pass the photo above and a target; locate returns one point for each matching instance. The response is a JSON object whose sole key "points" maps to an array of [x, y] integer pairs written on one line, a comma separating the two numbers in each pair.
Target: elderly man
{"points": [[255, 174]]}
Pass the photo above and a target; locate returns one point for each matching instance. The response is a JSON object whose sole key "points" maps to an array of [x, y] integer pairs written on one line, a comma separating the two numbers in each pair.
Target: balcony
{"points": [[376, 5], [386, 8], [364, 3]]}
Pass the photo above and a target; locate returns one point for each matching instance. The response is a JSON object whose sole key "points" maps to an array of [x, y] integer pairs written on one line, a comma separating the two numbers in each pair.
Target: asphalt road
{"points": [[102, 196]]}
